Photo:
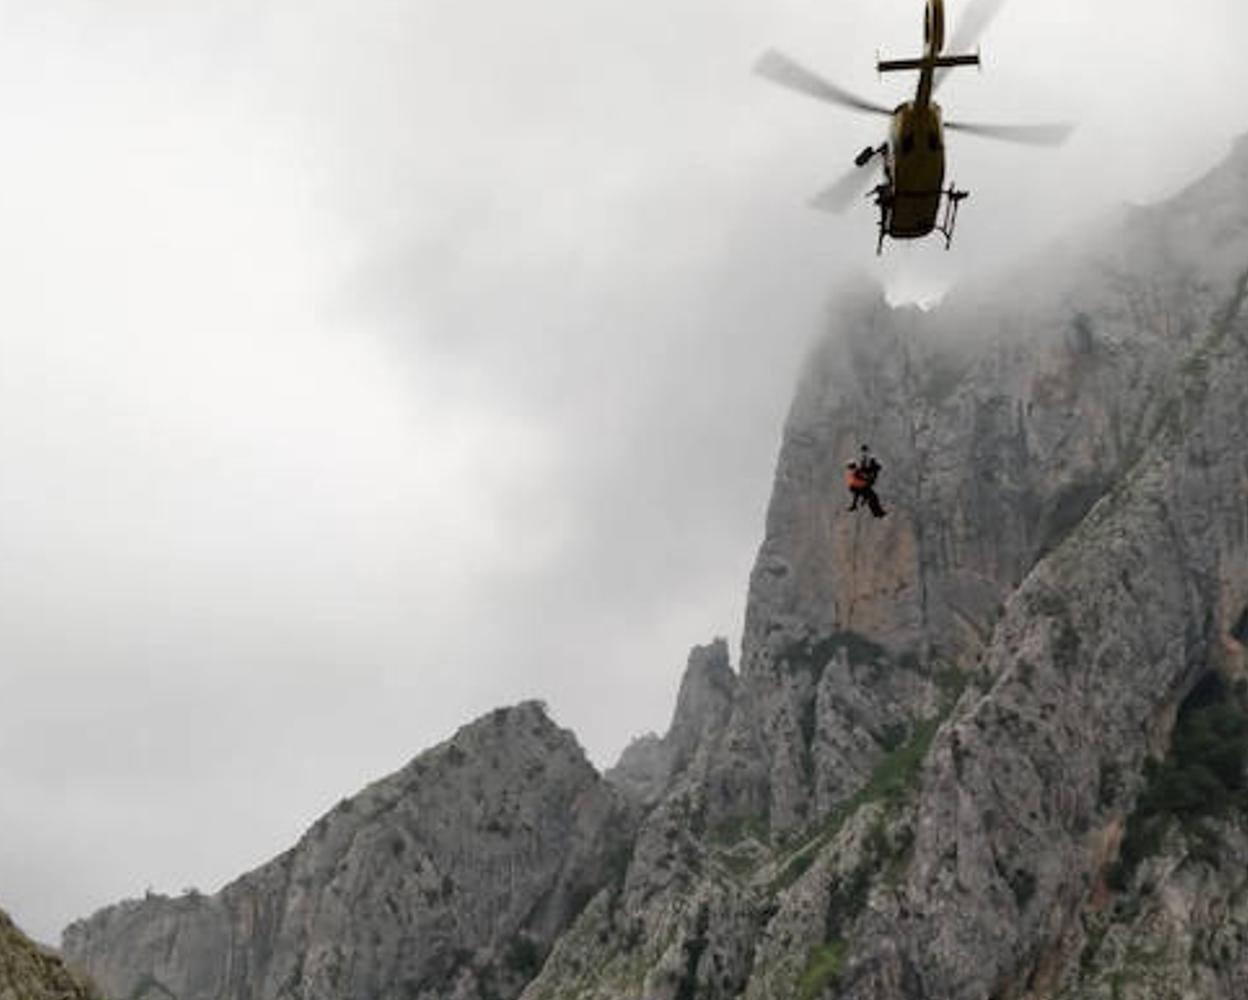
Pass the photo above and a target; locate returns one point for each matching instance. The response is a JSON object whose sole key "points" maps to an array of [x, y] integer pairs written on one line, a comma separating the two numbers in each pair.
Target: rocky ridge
{"points": [[450, 878], [953, 763], [29, 972]]}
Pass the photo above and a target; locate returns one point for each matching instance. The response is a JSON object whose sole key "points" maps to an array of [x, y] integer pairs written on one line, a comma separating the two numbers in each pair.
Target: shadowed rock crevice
{"points": [[1239, 631]]}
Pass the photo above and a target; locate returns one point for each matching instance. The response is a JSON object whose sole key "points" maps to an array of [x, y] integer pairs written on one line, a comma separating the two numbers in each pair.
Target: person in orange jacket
{"points": [[856, 482], [860, 477]]}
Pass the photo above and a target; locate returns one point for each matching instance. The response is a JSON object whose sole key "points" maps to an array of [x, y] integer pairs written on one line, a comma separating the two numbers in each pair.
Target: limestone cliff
{"points": [[991, 746], [946, 720]]}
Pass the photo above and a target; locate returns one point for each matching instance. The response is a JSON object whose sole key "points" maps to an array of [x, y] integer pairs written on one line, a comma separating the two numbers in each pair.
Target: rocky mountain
{"points": [[991, 746], [950, 725], [28, 972], [450, 878]]}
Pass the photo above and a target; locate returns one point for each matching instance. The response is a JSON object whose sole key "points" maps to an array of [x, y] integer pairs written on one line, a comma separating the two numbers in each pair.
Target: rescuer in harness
{"points": [[860, 477]]}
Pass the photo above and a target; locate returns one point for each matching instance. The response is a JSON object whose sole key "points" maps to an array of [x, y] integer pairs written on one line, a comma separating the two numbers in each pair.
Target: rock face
{"points": [[648, 765], [28, 972], [994, 745], [450, 878], [946, 720]]}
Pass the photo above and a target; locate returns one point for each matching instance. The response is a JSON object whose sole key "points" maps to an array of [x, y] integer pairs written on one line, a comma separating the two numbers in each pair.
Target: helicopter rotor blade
{"points": [[779, 68], [837, 197], [973, 23], [1053, 134]]}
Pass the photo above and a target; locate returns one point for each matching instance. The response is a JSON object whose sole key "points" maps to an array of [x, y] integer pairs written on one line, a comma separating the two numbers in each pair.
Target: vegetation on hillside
{"points": [[1203, 775]]}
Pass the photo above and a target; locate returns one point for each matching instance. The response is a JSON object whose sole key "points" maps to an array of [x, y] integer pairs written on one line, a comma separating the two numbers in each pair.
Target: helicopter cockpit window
{"points": [[907, 142]]}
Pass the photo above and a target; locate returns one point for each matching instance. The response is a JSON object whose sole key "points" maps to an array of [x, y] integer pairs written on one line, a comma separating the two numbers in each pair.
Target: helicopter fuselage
{"points": [[915, 172]]}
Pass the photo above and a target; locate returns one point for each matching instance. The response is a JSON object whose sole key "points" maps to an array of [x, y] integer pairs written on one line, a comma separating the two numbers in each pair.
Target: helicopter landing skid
{"points": [[884, 201], [953, 198]]}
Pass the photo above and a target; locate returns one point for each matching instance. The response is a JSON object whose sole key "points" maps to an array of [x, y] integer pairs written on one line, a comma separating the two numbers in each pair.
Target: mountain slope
{"points": [[28, 972], [447, 879]]}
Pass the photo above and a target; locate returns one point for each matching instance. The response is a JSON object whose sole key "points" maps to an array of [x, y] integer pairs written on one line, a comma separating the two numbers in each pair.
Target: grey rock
{"points": [[450, 878], [707, 694]]}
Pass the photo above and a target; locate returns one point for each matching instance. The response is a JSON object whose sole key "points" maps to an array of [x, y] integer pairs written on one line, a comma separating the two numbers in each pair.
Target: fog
{"points": [[364, 366]]}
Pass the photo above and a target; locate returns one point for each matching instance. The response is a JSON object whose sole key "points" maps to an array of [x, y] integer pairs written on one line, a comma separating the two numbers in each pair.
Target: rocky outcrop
{"points": [[1169, 918], [29, 972], [708, 690], [448, 879]]}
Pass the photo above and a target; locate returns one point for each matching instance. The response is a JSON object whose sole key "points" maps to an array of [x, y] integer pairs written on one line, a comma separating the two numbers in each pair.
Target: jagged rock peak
{"points": [[708, 688], [527, 722], [706, 694], [447, 880]]}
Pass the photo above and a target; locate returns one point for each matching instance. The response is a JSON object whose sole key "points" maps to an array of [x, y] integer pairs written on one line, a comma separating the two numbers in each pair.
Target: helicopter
{"points": [[912, 193]]}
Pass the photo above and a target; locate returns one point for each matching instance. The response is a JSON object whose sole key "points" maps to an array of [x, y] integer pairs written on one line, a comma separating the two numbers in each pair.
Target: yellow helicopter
{"points": [[913, 157]]}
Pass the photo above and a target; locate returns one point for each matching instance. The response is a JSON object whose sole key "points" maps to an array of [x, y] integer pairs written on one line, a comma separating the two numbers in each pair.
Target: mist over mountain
{"points": [[993, 745]]}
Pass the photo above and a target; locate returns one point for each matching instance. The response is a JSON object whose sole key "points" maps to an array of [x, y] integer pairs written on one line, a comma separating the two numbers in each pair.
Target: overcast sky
{"points": [[366, 365]]}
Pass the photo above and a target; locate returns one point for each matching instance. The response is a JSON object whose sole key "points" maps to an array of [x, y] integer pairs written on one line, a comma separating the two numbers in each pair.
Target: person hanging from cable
{"points": [[856, 482], [860, 477]]}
